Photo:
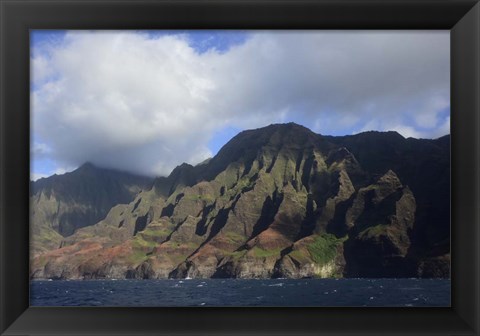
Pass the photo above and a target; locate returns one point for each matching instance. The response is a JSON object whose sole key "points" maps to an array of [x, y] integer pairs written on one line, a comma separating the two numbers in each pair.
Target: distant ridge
{"points": [[61, 204]]}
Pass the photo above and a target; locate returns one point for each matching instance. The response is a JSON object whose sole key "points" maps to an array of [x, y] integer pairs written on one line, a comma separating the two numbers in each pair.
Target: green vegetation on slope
{"points": [[324, 248], [261, 253], [374, 231]]}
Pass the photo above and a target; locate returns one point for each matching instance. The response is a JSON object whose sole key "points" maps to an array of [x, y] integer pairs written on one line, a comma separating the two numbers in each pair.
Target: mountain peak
{"points": [[383, 134], [391, 179], [274, 132], [290, 126], [87, 166]]}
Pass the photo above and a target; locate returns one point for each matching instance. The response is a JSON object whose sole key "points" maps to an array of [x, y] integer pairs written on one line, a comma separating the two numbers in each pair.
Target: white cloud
{"points": [[442, 129], [42, 69], [40, 150], [37, 176], [129, 101], [427, 115], [63, 170], [407, 131]]}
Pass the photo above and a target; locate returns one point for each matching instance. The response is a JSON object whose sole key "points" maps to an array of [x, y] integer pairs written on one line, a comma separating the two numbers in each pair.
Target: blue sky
{"points": [[146, 101], [205, 40]]}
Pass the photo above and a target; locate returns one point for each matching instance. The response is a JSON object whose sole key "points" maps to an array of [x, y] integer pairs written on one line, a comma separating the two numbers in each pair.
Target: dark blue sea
{"points": [[242, 292]]}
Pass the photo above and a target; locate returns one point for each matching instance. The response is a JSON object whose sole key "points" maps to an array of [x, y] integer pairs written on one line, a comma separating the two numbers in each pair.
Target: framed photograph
{"points": [[225, 167]]}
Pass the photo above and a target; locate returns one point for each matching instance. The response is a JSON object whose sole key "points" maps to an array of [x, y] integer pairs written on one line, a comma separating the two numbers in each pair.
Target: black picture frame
{"points": [[17, 17]]}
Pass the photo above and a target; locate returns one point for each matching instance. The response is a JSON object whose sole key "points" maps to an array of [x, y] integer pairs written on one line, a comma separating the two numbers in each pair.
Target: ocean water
{"points": [[243, 292]]}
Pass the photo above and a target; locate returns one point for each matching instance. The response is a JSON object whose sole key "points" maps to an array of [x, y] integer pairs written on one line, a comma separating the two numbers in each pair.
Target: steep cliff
{"points": [[280, 201]]}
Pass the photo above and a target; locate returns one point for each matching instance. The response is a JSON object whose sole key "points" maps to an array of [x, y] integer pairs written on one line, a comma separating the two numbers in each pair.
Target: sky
{"points": [[147, 101]]}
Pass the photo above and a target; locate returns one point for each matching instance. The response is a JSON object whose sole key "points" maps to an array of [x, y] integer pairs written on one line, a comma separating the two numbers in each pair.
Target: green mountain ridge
{"points": [[62, 204], [279, 201]]}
